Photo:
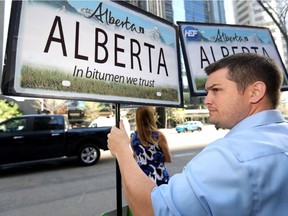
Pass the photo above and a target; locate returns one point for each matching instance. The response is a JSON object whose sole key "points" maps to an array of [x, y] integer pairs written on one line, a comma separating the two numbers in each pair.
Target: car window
{"points": [[47, 123], [14, 125]]}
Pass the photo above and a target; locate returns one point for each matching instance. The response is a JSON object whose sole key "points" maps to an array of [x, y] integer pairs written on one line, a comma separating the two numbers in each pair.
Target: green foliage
{"points": [[200, 82], [8, 109], [39, 78], [92, 110]]}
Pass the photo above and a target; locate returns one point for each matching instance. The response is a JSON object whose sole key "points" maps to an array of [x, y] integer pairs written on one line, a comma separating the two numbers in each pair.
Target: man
{"points": [[244, 173]]}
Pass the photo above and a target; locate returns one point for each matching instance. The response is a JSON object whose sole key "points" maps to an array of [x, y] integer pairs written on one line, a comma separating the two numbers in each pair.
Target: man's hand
{"points": [[118, 140], [137, 186]]}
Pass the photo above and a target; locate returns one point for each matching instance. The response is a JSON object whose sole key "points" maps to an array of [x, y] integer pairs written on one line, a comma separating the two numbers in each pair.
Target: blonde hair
{"points": [[146, 124]]}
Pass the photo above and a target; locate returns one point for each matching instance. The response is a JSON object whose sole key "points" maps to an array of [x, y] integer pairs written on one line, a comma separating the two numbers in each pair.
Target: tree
{"points": [[174, 116], [92, 110], [161, 120], [8, 109], [278, 16]]}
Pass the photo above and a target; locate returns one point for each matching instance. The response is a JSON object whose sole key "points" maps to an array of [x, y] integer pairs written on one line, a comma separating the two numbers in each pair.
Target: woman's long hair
{"points": [[146, 124]]}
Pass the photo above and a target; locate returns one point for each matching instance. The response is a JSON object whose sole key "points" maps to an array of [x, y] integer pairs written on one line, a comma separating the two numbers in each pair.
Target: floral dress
{"points": [[150, 159]]}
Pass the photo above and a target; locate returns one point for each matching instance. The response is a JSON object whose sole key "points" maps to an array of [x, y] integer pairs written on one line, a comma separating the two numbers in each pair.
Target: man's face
{"points": [[227, 106]]}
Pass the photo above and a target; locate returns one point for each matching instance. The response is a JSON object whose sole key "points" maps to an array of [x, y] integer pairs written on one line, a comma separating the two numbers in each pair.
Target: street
{"points": [[63, 188]]}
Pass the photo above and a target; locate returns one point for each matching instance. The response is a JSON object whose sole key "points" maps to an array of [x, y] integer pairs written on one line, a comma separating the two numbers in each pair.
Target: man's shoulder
{"points": [[257, 142]]}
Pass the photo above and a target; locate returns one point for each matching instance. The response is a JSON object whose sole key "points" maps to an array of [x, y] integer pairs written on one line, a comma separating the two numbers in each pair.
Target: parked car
{"points": [[29, 138], [189, 126]]}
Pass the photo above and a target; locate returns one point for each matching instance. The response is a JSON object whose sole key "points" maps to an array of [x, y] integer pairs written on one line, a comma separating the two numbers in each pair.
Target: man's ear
{"points": [[258, 90]]}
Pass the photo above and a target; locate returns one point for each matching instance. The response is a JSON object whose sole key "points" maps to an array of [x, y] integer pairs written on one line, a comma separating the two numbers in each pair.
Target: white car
{"points": [[103, 121]]}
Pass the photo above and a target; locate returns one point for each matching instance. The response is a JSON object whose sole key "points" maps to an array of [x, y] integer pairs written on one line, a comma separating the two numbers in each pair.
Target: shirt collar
{"points": [[258, 119]]}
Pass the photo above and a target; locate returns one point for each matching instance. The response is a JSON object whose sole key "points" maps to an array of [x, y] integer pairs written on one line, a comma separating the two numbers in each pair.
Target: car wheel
{"points": [[88, 154]]}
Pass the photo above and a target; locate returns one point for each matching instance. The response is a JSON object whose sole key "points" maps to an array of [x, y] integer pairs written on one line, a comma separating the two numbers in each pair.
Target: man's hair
{"points": [[247, 68]]}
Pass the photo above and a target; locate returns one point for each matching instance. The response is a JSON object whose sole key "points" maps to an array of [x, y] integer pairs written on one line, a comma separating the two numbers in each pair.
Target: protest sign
{"points": [[92, 50], [204, 44]]}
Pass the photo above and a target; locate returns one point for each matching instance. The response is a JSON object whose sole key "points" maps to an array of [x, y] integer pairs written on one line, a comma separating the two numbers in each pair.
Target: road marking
{"points": [[182, 155]]}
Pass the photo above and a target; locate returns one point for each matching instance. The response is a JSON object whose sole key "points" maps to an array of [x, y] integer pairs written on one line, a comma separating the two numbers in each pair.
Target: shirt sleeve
{"points": [[212, 183], [167, 199]]}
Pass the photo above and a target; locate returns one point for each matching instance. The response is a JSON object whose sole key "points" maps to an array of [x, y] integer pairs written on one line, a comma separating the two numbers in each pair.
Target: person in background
{"points": [[242, 174], [150, 146]]}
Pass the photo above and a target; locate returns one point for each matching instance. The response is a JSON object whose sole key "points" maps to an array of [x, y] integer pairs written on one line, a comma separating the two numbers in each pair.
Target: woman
{"points": [[150, 146]]}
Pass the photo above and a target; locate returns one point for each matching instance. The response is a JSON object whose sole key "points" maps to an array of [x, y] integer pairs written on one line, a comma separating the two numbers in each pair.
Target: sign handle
{"points": [[118, 174]]}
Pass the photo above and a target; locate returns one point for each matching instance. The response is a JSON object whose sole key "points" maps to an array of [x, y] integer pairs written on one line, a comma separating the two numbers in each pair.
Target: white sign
{"points": [[94, 50], [204, 44]]}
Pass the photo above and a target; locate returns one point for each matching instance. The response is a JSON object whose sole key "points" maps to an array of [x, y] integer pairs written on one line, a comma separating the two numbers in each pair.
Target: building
{"points": [[251, 13], [159, 8]]}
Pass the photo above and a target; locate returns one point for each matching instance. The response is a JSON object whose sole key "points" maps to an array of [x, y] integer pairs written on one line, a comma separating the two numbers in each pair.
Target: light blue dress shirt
{"points": [[244, 173]]}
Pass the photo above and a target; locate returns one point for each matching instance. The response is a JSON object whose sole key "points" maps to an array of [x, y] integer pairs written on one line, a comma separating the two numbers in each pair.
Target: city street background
{"points": [[63, 188]]}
